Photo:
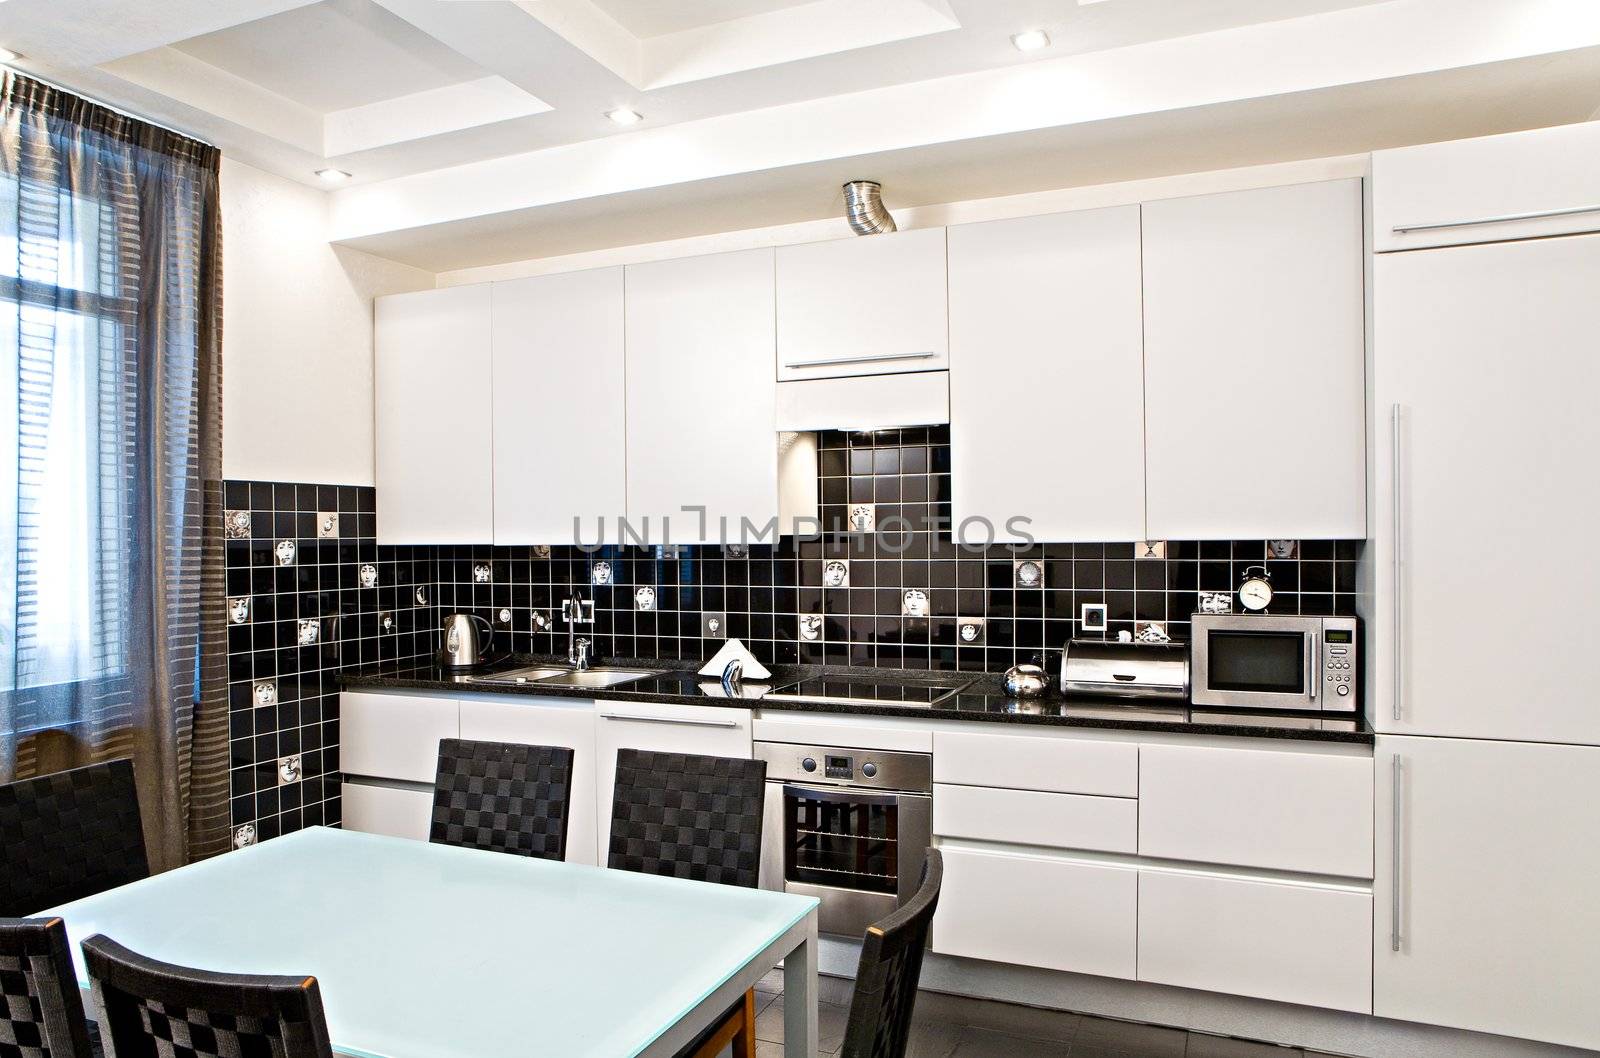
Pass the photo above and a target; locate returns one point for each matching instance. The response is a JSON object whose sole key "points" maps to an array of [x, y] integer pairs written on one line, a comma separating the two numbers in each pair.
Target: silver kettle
{"points": [[459, 645]]}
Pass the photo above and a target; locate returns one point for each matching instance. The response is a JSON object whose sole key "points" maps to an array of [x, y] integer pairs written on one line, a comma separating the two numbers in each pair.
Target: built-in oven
{"points": [[850, 827], [1259, 661]]}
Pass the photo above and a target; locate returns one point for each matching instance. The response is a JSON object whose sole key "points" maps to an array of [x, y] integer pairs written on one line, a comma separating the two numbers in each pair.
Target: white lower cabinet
{"points": [[394, 736], [1288, 941], [566, 722], [1026, 817], [396, 811], [709, 730], [1046, 911]]}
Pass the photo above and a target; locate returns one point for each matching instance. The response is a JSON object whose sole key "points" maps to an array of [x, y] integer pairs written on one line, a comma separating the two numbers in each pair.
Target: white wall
{"points": [[296, 335]]}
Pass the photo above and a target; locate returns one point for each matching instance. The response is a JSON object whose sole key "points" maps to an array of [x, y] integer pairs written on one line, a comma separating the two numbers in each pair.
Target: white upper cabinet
{"points": [[432, 393], [701, 414], [1046, 376], [1517, 186], [559, 429], [862, 306], [1489, 354], [1255, 364]]}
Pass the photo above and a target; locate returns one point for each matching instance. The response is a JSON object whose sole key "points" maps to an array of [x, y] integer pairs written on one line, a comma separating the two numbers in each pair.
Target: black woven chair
{"points": [[689, 816], [885, 994], [41, 1010], [69, 835], [503, 797], [150, 1009]]}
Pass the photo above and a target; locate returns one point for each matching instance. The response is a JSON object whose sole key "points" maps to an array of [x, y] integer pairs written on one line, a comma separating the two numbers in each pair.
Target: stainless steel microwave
{"points": [[1258, 661]]}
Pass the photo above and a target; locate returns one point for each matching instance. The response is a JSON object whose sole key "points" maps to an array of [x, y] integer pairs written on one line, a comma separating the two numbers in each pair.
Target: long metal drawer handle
{"points": [[873, 358], [1394, 866], [1397, 558], [670, 720], [1401, 229]]}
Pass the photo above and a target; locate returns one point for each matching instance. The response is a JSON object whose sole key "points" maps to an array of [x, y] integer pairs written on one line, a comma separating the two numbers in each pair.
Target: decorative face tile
{"points": [[264, 692], [736, 550], [482, 573], [644, 599], [810, 627], [285, 552], [1283, 549], [863, 518], [1151, 632], [310, 630], [1150, 550], [914, 603], [1029, 573], [244, 835], [1216, 602], [385, 621], [421, 595], [970, 630], [289, 769], [504, 615], [238, 524], [714, 626], [600, 573], [239, 609], [368, 575], [327, 525], [1092, 617], [541, 550], [836, 573]]}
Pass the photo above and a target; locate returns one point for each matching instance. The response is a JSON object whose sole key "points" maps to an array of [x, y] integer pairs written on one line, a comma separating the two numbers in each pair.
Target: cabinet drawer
{"points": [[1023, 817], [397, 812], [1038, 911], [394, 736], [1546, 181], [1292, 811], [1022, 762], [1274, 940]]}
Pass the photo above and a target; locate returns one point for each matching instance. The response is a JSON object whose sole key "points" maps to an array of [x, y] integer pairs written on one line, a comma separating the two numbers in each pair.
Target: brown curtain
{"points": [[112, 618]]}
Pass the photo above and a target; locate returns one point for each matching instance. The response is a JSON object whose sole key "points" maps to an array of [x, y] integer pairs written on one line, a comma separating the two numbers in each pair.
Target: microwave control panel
{"points": [[1340, 663]]}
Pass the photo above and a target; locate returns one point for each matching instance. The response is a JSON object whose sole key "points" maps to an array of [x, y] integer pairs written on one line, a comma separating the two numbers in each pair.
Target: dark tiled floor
{"points": [[955, 1027]]}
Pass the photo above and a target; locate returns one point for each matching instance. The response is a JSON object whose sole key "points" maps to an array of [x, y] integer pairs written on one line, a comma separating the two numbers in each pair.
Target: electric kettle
{"points": [[459, 645]]}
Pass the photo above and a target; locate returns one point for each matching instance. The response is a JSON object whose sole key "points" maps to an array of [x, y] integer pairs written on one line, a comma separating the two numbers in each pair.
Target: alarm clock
{"points": [[1255, 589]]}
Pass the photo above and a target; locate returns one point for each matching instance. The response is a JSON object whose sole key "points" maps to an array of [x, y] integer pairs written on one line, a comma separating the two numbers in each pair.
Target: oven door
{"points": [[1256, 662], [860, 852]]}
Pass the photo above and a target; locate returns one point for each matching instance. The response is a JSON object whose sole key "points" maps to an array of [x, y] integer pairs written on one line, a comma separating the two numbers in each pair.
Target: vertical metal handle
{"points": [[1314, 665], [1397, 551], [1394, 864]]}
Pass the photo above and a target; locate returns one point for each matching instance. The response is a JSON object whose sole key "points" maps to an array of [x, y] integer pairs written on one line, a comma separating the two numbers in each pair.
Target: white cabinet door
{"points": [[392, 810], [862, 306], [532, 721], [1255, 364], [395, 736], [1496, 914], [1027, 817], [1293, 942], [1521, 185], [1489, 352], [431, 395], [701, 396], [705, 729], [1056, 913], [1045, 317], [559, 423], [1032, 762]]}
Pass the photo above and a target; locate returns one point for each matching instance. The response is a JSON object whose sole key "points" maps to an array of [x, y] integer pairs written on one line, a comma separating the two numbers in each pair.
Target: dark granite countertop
{"points": [[980, 699]]}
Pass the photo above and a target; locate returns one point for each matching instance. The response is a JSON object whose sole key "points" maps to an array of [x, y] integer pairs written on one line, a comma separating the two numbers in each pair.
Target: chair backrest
{"points": [[41, 1010], [688, 816], [69, 835], [151, 1009], [886, 980], [503, 797]]}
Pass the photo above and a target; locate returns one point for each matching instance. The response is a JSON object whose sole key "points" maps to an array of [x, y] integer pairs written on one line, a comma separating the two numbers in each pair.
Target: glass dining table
{"points": [[433, 951]]}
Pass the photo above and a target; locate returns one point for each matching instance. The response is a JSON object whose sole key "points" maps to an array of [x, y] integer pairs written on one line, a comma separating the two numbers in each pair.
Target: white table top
{"points": [[430, 951]]}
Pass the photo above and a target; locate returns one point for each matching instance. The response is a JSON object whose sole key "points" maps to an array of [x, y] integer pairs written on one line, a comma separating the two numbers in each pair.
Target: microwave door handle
{"points": [[1314, 664]]}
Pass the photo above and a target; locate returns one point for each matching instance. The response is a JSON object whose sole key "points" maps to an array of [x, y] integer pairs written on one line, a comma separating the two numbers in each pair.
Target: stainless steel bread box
{"points": [[1125, 670]]}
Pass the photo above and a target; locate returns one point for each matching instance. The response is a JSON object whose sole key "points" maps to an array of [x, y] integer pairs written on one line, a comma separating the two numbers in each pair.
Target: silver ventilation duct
{"points": [[864, 209]]}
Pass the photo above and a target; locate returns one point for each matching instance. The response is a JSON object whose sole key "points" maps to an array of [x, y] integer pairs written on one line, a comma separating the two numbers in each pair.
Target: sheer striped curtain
{"points": [[111, 597]]}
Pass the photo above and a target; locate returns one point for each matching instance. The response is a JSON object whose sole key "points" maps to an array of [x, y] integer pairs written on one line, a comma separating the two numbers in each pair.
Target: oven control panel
{"points": [[845, 766]]}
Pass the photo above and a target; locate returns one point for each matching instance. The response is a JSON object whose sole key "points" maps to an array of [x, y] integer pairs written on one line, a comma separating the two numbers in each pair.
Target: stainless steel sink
{"points": [[532, 674], [598, 677]]}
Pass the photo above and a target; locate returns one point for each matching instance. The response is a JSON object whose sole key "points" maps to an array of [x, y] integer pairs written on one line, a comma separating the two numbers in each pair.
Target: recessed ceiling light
{"points": [[1031, 40], [624, 116], [7, 55], [333, 176]]}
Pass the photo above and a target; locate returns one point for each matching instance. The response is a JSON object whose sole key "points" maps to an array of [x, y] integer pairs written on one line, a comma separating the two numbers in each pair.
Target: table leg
{"points": [[800, 996]]}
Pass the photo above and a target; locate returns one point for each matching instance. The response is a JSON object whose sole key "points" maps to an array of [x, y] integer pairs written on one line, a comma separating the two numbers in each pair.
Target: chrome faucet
{"points": [[573, 609], [579, 654]]}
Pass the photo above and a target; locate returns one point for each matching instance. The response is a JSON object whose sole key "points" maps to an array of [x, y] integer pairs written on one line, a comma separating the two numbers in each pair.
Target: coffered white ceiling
{"points": [[464, 118]]}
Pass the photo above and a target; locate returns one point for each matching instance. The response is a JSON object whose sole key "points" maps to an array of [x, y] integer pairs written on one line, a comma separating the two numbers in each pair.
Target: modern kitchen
{"points": [[933, 527]]}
